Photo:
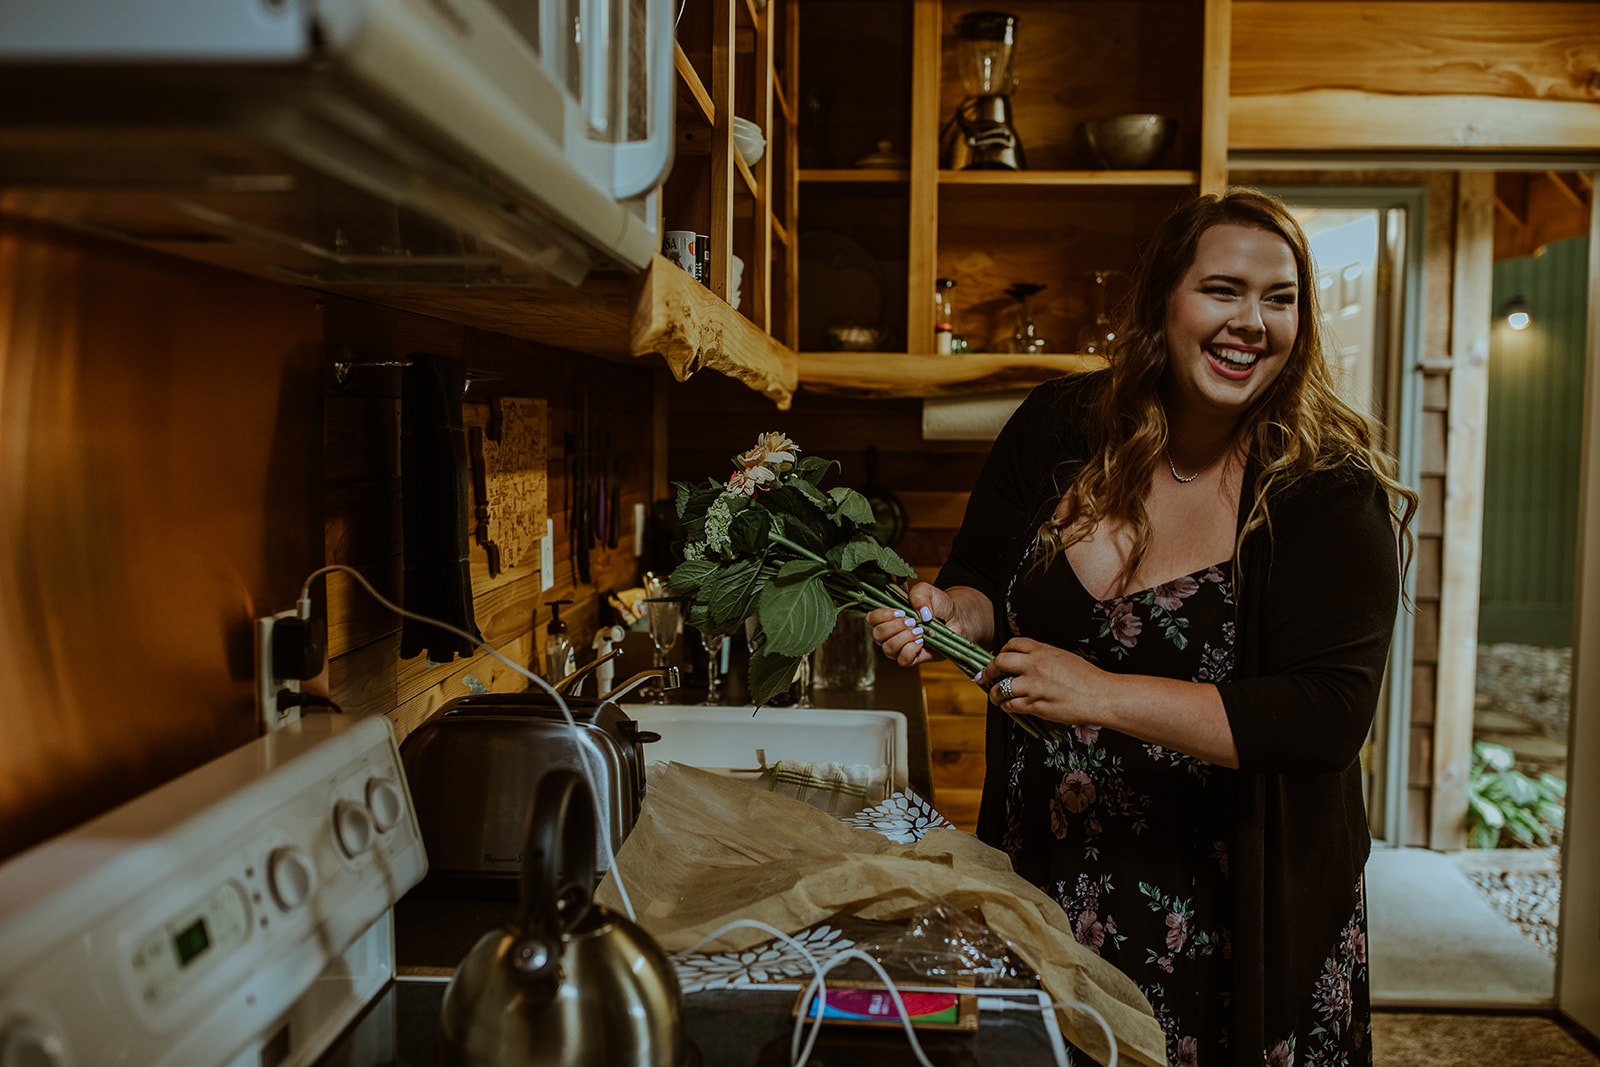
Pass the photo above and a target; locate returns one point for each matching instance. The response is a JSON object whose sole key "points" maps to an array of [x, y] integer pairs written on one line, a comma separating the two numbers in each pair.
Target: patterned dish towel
{"points": [[840, 789]]}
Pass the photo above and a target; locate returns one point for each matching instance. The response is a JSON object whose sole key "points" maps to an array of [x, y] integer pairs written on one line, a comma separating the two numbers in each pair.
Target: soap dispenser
{"points": [[560, 659]]}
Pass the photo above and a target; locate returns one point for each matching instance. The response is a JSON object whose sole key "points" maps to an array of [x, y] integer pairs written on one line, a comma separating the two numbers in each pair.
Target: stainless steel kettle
{"points": [[569, 983]]}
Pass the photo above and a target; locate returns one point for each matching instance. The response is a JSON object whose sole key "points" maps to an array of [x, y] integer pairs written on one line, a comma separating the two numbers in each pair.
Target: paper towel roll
{"points": [[968, 418]]}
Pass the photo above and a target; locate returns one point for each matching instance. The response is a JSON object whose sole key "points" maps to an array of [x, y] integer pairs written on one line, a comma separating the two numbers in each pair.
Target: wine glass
{"points": [[1095, 339], [713, 644], [803, 674], [665, 614]]}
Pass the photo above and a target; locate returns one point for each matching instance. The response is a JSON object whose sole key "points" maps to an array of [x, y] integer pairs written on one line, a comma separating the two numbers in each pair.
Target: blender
{"points": [[979, 136]]}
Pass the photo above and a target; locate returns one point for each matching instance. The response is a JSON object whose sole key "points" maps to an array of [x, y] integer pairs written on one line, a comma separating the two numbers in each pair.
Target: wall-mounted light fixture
{"points": [[1515, 312]]}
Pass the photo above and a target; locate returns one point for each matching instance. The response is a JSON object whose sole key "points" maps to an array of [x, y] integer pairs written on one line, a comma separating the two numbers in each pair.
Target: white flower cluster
{"points": [[718, 516], [772, 455]]}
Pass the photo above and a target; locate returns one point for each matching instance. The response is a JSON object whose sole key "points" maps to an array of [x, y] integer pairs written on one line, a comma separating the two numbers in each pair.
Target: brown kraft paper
{"points": [[708, 850]]}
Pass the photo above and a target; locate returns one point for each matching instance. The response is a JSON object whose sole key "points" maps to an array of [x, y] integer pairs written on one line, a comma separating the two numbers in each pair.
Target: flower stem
{"points": [[843, 585]]}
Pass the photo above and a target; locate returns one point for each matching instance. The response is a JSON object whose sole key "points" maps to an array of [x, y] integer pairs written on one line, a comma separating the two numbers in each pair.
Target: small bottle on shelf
{"points": [[943, 316]]}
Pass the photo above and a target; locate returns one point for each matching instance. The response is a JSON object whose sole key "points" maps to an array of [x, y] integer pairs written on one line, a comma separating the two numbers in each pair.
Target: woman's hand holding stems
{"points": [[1052, 684]]}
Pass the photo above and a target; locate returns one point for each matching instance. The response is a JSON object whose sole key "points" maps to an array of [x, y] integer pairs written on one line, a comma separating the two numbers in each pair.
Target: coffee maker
{"points": [[979, 136]]}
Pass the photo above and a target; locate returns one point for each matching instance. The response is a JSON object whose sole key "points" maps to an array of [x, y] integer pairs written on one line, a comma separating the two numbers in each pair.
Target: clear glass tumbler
{"points": [[847, 659]]}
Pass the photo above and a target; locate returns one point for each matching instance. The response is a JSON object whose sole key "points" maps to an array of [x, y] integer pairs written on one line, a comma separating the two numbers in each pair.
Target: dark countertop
{"points": [[725, 1028]]}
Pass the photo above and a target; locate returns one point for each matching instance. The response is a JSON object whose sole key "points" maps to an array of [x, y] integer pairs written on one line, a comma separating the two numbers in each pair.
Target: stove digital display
{"points": [[191, 941]]}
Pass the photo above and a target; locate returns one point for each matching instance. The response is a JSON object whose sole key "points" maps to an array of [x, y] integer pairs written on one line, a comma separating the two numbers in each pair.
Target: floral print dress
{"points": [[1133, 839]]}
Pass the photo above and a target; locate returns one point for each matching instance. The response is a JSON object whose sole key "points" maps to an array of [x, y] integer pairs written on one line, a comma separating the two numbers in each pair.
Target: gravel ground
{"points": [[1530, 899]]}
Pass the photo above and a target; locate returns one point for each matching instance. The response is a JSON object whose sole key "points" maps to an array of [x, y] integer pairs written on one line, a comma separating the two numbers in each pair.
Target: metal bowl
{"points": [[1130, 142]]}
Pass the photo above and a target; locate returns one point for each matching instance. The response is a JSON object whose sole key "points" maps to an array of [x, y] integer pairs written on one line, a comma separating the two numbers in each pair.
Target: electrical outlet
{"points": [[268, 685]]}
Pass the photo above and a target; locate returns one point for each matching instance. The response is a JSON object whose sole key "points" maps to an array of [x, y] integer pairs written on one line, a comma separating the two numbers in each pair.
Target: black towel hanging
{"points": [[436, 503]]}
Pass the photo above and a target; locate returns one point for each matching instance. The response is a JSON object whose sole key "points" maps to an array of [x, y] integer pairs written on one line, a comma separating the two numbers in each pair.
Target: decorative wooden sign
{"points": [[507, 439]]}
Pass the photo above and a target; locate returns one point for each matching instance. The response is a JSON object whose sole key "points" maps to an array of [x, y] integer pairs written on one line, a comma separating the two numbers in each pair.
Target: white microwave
{"points": [[346, 142]]}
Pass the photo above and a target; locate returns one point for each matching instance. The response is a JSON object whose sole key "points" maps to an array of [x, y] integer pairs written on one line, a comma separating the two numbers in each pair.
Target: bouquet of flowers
{"points": [[770, 541]]}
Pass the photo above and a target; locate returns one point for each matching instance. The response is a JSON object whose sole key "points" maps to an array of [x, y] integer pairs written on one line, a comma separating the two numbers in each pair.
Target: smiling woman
{"points": [[1208, 675]]}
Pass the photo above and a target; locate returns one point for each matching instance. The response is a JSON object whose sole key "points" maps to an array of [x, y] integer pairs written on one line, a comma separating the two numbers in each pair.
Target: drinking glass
{"points": [[848, 658], [1095, 339], [713, 644], [664, 615]]}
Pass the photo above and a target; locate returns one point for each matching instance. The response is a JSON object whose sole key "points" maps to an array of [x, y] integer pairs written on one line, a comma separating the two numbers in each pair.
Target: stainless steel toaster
{"points": [[473, 768]]}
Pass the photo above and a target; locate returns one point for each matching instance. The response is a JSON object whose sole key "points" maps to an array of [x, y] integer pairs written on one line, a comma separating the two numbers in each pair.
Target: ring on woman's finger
{"points": [[1004, 689]]}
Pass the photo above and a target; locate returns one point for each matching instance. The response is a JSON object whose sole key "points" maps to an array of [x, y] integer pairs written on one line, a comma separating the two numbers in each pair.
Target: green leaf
{"points": [[748, 531], [804, 521], [797, 614], [1552, 813], [851, 505], [690, 575], [814, 468], [1497, 757], [809, 491], [799, 570], [1519, 789], [863, 551], [770, 674], [1484, 836], [1553, 786], [1518, 829], [1488, 813], [730, 596]]}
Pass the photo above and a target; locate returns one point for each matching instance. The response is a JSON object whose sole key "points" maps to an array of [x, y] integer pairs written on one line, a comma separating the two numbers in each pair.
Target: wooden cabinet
{"points": [[735, 60], [874, 241]]}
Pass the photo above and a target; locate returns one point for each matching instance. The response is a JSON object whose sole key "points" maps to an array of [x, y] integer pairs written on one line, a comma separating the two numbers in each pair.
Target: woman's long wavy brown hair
{"points": [[1299, 426]]}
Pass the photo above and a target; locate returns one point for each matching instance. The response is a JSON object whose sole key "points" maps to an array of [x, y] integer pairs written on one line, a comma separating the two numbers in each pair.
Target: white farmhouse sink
{"points": [[730, 740]]}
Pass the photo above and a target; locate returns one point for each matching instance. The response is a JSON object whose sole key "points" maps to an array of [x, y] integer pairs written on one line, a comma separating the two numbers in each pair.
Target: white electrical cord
{"points": [[585, 754], [798, 1056]]}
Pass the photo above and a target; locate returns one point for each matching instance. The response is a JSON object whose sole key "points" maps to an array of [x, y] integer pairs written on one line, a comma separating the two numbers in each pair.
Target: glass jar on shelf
{"points": [[943, 316]]}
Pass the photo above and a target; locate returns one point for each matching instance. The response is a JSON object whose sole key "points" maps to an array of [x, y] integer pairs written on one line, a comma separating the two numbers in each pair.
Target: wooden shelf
{"points": [[1067, 177], [862, 174], [882, 375], [660, 313]]}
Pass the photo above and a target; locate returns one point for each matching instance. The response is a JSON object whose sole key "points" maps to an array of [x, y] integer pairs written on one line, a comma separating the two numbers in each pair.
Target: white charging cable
{"points": [[587, 757], [818, 988]]}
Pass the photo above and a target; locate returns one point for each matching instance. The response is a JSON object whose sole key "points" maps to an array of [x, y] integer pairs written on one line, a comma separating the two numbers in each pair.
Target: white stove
{"points": [[238, 915]]}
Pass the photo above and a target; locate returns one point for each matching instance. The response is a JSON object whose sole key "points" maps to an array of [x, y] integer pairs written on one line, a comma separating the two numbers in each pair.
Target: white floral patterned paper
{"points": [[903, 818]]}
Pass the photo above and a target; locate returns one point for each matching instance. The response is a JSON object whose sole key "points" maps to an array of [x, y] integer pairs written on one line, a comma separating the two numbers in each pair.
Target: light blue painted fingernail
{"points": [[977, 675], [917, 630], [918, 641], [910, 623], [926, 613], [899, 614]]}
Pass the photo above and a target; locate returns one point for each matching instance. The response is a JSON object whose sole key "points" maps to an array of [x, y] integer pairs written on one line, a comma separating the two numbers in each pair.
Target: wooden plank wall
{"points": [[363, 516], [711, 419], [1399, 74], [160, 474]]}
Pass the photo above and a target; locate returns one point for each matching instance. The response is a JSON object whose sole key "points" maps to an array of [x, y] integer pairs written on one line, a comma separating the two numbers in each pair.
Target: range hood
{"points": [[346, 142]]}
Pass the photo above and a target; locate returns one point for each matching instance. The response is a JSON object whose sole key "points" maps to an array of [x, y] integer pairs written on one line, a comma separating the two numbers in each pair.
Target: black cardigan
{"points": [[1316, 604]]}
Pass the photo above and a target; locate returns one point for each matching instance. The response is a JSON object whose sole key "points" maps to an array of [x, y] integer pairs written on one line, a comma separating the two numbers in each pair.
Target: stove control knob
{"points": [[387, 803], [292, 876], [353, 827], [28, 1044]]}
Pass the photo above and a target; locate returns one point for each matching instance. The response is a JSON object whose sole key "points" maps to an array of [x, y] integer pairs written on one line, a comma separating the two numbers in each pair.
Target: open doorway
{"points": [[1367, 245], [1525, 609]]}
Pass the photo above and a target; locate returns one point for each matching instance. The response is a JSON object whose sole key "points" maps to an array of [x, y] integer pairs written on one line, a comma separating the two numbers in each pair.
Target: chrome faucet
{"points": [[568, 686], [668, 676]]}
